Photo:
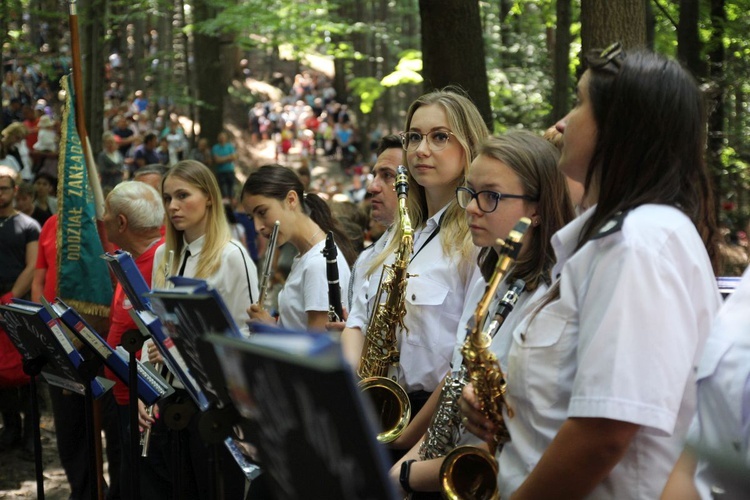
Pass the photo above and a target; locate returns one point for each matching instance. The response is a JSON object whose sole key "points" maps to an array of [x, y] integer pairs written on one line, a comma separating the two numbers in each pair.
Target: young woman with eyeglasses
{"points": [[601, 376], [443, 130], [514, 175]]}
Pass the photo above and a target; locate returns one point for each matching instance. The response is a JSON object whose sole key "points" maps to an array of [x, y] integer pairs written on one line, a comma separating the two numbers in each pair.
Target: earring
{"points": [[535, 221]]}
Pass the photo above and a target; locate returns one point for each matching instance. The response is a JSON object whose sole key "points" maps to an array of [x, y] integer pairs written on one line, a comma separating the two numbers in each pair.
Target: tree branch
{"points": [[666, 14]]}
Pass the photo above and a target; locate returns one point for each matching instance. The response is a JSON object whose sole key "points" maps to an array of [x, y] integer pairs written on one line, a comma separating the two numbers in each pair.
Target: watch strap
{"points": [[403, 478]]}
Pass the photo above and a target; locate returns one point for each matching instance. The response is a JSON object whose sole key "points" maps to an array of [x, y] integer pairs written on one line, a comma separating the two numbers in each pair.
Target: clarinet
{"points": [[265, 277], [335, 310], [146, 435]]}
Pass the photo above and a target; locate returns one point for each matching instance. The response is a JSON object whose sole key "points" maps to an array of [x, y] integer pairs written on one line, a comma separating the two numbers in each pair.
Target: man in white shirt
{"points": [[383, 203]]}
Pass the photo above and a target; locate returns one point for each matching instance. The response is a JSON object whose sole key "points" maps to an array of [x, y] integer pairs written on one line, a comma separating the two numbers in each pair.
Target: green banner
{"points": [[83, 280]]}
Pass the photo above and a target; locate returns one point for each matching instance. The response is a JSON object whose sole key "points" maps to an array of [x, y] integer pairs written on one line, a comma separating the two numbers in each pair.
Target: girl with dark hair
{"points": [[601, 375], [275, 193], [514, 175]]}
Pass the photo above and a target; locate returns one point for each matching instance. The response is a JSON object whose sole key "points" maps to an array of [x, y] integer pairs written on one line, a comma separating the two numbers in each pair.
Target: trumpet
{"points": [[267, 269], [468, 471]]}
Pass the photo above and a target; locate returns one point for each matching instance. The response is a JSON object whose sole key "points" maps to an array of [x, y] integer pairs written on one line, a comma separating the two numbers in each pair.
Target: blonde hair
{"points": [[469, 129], [217, 234]]}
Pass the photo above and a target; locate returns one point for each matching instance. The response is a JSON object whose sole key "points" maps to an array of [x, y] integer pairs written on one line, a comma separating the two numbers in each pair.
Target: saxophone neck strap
{"points": [[429, 238]]}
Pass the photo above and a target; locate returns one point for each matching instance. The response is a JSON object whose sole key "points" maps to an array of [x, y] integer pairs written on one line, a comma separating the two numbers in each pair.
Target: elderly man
{"points": [[134, 214]]}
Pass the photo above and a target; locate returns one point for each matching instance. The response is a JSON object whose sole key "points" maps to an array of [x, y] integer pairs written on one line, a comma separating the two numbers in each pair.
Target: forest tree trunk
{"points": [[453, 50], [561, 90], [605, 22]]}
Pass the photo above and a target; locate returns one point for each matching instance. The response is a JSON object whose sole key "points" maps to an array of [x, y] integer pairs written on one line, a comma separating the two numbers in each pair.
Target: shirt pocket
{"points": [[425, 299], [536, 359]]}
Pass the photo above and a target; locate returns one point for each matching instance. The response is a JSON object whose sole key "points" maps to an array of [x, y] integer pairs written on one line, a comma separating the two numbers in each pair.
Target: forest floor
{"points": [[18, 473]]}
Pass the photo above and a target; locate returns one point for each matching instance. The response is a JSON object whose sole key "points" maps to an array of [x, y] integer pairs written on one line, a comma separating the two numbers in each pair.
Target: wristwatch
{"points": [[403, 478]]}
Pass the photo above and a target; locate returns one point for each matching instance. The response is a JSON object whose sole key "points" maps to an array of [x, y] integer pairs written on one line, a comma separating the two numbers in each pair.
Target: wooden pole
{"points": [[98, 202]]}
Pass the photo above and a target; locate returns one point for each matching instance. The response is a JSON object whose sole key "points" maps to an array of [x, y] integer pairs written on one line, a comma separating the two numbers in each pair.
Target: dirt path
{"points": [[18, 475]]}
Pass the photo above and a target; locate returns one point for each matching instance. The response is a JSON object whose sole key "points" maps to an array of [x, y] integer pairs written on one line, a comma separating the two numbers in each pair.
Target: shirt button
{"points": [[413, 296]]}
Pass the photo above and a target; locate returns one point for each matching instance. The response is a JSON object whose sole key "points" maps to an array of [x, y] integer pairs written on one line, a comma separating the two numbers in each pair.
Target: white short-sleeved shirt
{"points": [[621, 342], [435, 293], [306, 287], [236, 280], [722, 423]]}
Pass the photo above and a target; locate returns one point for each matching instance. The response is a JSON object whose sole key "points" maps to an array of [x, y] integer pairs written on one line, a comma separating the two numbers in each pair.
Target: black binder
{"points": [[36, 334], [151, 386], [314, 432], [188, 312], [126, 271]]}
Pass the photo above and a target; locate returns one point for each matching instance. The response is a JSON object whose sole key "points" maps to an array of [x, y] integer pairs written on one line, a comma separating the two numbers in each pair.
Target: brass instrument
{"points": [[444, 430], [380, 350], [468, 471], [267, 269]]}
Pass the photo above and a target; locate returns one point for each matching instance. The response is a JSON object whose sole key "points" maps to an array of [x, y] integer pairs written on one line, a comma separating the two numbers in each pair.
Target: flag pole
{"points": [[93, 177], [81, 118]]}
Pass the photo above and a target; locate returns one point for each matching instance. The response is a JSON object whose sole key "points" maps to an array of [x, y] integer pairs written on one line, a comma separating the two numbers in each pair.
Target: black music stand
{"points": [[32, 368], [46, 349], [132, 342], [189, 312]]}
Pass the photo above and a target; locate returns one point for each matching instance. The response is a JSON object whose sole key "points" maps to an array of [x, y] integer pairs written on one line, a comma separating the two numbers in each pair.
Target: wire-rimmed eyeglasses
{"points": [[436, 140], [486, 200]]}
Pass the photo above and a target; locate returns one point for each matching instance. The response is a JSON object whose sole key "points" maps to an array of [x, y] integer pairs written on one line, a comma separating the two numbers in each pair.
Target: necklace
{"points": [[310, 241], [2, 224]]}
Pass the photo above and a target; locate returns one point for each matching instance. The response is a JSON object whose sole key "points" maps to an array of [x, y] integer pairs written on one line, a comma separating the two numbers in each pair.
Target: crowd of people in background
{"points": [[148, 140]]}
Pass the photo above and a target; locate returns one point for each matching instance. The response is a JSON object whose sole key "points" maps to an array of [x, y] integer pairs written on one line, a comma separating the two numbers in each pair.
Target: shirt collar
{"points": [[434, 221], [195, 247], [565, 240]]}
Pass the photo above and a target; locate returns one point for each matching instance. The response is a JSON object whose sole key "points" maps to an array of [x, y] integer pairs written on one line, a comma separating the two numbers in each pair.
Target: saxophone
{"points": [[445, 426], [380, 350], [468, 471]]}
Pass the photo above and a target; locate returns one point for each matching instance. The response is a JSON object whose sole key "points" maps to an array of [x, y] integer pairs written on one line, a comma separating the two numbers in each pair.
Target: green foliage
{"points": [[520, 81], [407, 70], [368, 89], [268, 23]]}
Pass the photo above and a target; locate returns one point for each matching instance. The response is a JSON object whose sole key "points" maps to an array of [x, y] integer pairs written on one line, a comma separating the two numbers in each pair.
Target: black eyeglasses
{"points": [[437, 139], [486, 200], [613, 54]]}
